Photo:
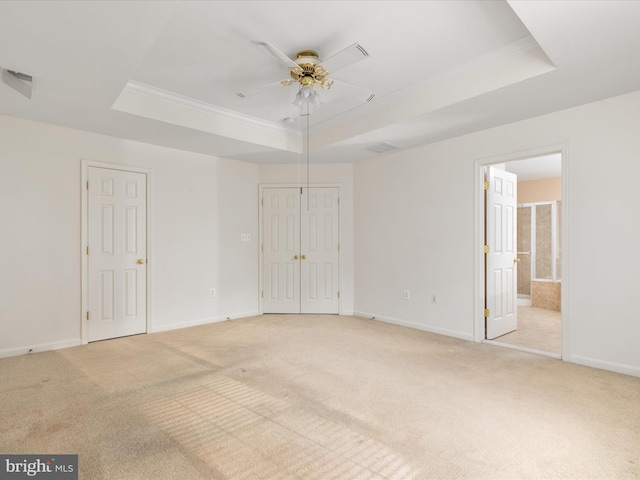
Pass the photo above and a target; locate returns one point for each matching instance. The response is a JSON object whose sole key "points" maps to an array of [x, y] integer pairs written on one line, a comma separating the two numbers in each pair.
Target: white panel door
{"points": [[319, 251], [300, 250], [281, 245], [117, 264], [501, 265]]}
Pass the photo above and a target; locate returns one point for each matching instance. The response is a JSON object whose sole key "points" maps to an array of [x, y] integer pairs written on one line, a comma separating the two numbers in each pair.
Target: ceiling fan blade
{"points": [[346, 57], [354, 91], [262, 88], [276, 54]]}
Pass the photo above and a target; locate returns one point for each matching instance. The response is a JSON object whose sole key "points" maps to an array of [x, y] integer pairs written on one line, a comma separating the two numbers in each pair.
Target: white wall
{"points": [[199, 207], [414, 229], [338, 174], [414, 222], [411, 216]]}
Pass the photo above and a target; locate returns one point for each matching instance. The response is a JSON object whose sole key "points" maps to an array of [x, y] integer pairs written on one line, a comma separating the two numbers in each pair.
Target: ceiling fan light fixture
{"points": [[307, 81], [306, 90], [306, 94], [326, 84], [314, 99]]}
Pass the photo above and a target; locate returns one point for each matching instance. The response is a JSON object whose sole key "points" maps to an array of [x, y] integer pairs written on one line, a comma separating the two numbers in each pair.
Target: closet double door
{"points": [[300, 250]]}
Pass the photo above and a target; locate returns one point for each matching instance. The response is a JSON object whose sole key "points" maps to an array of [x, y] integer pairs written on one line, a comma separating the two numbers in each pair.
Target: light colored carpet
{"points": [[538, 328], [318, 397]]}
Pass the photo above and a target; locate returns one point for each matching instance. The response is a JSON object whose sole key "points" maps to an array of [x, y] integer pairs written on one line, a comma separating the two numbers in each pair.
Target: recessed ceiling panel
{"points": [[205, 50]]}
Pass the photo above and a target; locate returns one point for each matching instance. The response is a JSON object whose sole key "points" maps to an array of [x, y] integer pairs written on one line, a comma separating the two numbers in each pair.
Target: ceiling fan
{"points": [[307, 70]]}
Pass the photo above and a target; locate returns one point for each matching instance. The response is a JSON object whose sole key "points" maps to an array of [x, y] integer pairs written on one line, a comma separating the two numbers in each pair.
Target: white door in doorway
{"points": [[319, 251], [117, 251], [281, 250], [501, 260], [300, 250]]}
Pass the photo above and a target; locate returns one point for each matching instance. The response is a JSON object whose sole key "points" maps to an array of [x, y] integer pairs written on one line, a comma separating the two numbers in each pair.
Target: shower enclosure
{"points": [[539, 253]]}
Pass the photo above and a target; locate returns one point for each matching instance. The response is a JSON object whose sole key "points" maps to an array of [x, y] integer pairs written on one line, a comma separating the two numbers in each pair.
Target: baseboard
{"points": [[604, 365], [417, 326], [43, 347], [201, 321]]}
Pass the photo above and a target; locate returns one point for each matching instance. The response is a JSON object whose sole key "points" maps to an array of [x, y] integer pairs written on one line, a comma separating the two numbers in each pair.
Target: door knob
{"points": [[140, 261], [304, 257], [295, 257], [516, 260]]}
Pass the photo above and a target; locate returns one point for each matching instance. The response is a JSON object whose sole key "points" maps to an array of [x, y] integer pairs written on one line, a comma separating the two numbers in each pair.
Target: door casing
{"points": [[85, 165], [478, 248]]}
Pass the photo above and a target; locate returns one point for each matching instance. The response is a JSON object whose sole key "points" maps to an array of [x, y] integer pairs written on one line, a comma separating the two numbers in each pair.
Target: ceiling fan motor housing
{"points": [[309, 70]]}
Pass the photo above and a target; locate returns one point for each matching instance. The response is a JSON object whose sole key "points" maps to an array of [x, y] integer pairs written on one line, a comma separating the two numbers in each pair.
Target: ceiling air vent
{"points": [[21, 82], [383, 147]]}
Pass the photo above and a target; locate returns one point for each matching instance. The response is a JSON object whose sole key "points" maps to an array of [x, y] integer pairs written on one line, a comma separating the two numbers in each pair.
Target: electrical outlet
{"points": [[434, 298], [212, 292], [407, 295]]}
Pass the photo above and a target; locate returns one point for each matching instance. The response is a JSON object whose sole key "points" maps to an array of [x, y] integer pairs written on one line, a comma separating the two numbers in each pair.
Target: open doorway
{"points": [[537, 257]]}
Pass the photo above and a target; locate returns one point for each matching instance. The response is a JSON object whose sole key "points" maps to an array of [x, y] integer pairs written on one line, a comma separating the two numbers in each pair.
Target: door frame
{"points": [[261, 188], [84, 229], [478, 244]]}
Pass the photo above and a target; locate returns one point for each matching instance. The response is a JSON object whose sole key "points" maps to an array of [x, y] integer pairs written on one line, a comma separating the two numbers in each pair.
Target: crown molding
{"points": [[155, 103], [138, 88]]}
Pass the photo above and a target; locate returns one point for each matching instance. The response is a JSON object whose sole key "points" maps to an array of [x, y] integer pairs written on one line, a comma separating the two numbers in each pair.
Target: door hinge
{"points": [[262, 202], [338, 200], [487, 313], [87, 249], [300, 190], [486, 249], [338, 293], [486, 185], [87, 184], [263, 247], [338, 247], [262, 294], [88, 315]]}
